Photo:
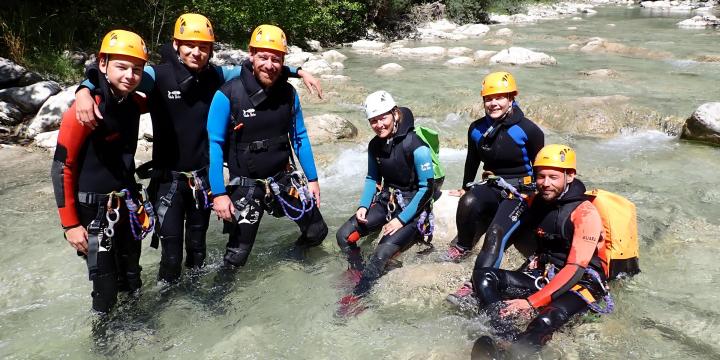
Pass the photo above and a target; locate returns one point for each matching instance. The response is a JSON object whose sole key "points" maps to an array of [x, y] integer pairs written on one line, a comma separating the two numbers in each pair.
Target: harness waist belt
{"points": [[277, 142], [91, 198]]}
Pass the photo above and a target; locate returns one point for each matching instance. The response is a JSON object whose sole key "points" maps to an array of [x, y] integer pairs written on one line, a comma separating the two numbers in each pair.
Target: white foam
{"points": [[349, 165], [448, 155]]}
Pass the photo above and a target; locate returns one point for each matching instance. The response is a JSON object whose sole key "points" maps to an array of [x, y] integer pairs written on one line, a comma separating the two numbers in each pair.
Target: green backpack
{"points": [[431, 138]]}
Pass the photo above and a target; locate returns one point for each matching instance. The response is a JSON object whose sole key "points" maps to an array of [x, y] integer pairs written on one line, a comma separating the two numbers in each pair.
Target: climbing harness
{"points": [[426, 220], [139, 229], [581, 291]]}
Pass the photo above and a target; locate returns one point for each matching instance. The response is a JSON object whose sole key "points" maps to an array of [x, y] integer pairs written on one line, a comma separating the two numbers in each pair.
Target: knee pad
{"points": [[236, 256], [104, 294]]}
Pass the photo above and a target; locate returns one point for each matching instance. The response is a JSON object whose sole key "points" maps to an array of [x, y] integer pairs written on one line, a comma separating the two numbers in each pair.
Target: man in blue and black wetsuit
{"points": [[253, 122], [180, 90]]}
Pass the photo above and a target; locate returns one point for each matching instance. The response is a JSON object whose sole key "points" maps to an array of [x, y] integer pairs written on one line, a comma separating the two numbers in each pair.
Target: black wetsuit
{"points": [[506, 149], [254, 128], [89, 164], [556, 300], [395, 166]]}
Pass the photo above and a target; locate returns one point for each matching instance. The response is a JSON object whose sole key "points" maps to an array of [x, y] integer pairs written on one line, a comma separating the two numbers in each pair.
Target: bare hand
{"points": [[517, 307], [392, 227], [360, 215], [312, 83], [86, 109], [78, 238], [314, 188], [458, 192], [224, 207]]}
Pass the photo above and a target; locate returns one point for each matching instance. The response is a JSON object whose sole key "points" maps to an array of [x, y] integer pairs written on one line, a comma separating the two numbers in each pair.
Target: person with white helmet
{"points": [[399, 187]]}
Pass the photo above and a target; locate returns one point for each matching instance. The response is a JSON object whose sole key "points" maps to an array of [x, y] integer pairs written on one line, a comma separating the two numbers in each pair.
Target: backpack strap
{"points": [[564, 216]]}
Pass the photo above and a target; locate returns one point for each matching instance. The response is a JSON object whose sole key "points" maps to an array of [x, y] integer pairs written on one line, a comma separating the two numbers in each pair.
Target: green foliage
{"points": [[467, 11], [55, 66]]}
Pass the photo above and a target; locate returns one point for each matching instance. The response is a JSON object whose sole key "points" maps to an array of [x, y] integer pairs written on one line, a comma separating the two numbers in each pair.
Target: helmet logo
{"points": [[182, 27], [209, 28], [562, 156], [113, 40]]}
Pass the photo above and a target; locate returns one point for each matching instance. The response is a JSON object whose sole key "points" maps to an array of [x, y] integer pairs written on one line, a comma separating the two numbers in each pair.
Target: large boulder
{"points": [[328, 128], [600, 45], [333, 56], [10, 114], [314, 45], [317, 67], [298, 58], [389, 69], [704, 124], [699, 22], [47, 140], [460, 61], [522, 56], [145, 130], [31, 97], [14, 75], [423, 52], [367, 45], [482, 55], [50, 114], [473, 30]]}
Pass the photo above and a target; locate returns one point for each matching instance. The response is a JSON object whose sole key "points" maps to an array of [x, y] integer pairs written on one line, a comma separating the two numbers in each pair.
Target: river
{"points": [[279, 307]]}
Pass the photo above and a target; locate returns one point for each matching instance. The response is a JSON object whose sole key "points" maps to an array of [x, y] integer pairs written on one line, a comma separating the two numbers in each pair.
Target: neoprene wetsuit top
{"points": [[403, 163]]}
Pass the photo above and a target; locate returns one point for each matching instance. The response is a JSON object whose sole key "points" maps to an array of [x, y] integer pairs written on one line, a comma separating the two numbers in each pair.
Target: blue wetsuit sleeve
{"points": [[218, 119], [301, 142], [424, 170], [472, 160], [371, 181]]}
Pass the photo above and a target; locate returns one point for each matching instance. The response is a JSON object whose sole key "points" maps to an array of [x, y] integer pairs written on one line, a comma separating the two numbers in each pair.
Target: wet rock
{"points": [[600, 73], [298, 58], [600, 45], [496, 42], [328, 128], [482, 55], [365, 45], [47, 140], [504, 32], [460, 61], [31, 97], [389, 69], [317, 67], [424, 52], [573, 47], [145, 130], [335, 78], [473, 30], [10, 115], [333, 55], [458, 51], [50, 114], [704, 124], [314, 45], [522, 56], [337, 65], [700, 22]]}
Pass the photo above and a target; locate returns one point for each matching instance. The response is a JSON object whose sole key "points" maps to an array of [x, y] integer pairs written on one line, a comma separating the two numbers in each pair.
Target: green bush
{"points": [[467, 11]]}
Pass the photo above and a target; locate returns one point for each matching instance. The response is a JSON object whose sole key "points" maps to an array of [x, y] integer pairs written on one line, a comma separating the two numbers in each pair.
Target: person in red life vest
{"points": [[180, 89], [566, 275], [93, 174]]}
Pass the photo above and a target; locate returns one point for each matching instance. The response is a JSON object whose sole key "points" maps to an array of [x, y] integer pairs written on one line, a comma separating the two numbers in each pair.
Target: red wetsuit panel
{"points": [[72, 137]]}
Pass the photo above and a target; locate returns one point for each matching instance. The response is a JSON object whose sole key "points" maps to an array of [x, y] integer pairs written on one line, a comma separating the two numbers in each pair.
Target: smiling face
{"points": [[551, 181], [123, 72], [267, 65], [383, 125], [497, 105], [194, 54]]}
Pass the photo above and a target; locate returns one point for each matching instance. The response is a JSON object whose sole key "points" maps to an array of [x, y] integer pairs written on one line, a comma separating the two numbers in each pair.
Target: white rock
{"points": [[398, 44], [47, 140], [335, 78], [426, 51], [337, 65], [292, 49], [704, 124], [389, 69], [329, 127], [460, 61], [512, 19], [146, 130], [51, 112], [589, 11], [317, 67], [298, 58], [521, 56], [432, 34], [229, 57], [458, 51], [31, 97], [655, 4], [484, 54], [10, 72], [314, 45], [368, 45], [600, 73], [440, 25], [473, 30], [573, 47], [699, 22], [333, 55], [10, 115], [504, 32]]}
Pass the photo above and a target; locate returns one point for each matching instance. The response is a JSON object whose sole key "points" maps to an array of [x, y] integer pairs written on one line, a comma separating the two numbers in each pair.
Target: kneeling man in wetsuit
{"points": [[255, 122]]}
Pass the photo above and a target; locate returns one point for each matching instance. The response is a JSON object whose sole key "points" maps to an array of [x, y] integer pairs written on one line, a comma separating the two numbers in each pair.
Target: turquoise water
{"points": [[278, 307]]}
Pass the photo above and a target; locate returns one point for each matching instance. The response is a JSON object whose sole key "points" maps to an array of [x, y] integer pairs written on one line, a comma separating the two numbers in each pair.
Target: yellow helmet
{"points": [[557, 156], [193, 27], [269, 37], [123, 42], [499, 83]]}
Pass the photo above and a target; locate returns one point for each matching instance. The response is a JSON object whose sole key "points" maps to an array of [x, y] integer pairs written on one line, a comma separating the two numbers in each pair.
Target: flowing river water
{"points": [[278, 307]]}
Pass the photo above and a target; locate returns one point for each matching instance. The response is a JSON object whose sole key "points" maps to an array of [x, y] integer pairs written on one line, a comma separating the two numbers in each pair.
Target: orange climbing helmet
{"points": [[499, 83], [193, 27], [269, 37], [123, 42]]}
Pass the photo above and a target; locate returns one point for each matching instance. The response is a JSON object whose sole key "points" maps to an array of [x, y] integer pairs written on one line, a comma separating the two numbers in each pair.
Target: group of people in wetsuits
{"points": [[250, 118]]}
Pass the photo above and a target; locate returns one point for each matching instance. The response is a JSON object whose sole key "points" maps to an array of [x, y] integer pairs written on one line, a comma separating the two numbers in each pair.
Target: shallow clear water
{"points": [[277, 307]]}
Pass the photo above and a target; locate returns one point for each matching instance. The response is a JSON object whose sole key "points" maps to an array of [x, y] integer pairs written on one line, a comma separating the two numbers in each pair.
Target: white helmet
{"points": [[378, 103]]}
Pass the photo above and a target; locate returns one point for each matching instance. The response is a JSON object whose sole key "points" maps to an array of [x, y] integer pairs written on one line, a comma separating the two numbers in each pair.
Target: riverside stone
{"points": [[704, 124], [389, 69], [50, 114], [426, 51], [333, 56], [10, 72], [458, 51], [484, 54], [504, 32], [522, 56], [31, 97], [460, 61], [329, 127], [47, 140], [367, 45], [699, 22], [600, 73], [10, 115], [317, 67]]}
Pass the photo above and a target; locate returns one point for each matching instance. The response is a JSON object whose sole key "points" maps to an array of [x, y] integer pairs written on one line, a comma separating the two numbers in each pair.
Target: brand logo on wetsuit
{"points": [[249, 113], [174, 95], [425, 166]]}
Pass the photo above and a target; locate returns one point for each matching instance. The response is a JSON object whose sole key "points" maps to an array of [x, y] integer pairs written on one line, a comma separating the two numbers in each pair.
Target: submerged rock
{"points": [[389, 69], [329, 127], [504, 32], [708, 58], [600, 73], [601, 45], [522, 56], [704, 124]]}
